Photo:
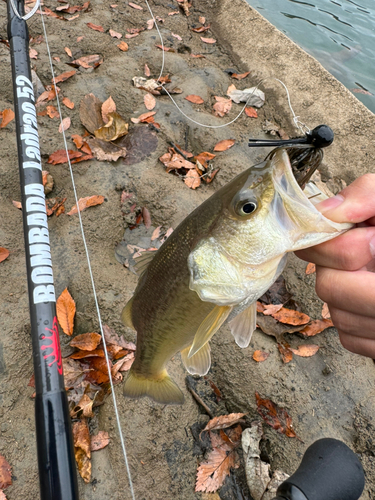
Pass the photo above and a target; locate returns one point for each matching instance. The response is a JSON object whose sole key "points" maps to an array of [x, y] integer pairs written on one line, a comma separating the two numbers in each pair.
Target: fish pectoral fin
{"points": [[161, 389], [209, 327], [126, 315], [200, 362], [142, 262], [243, 325]]}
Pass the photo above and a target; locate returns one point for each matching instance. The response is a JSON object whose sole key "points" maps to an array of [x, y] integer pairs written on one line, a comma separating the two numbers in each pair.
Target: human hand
{"points": [[345, 276]]}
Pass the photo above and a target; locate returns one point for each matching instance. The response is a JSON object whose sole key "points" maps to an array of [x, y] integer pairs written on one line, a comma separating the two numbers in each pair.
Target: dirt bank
{"points": [[329, 394]]}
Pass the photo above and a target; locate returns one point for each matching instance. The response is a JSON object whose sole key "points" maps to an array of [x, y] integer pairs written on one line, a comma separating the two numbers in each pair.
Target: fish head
{"points": [[264, 214]]}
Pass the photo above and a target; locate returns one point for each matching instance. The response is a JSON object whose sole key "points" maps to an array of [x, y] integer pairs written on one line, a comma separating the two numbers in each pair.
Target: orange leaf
{"points": [[176, 161], [95, 27], [260, 307], [60, 156], [291, 317], [108, 106], [207, 40], [68, 103], [286, 353], [211, 474], [99, 441], [123, 46], [114, 34], [310, 269], [275, 416], [68, 51], [201, 29], [241, 76], [251, 112], [83, 203], [135, 6], [33, 54], [87, 354], [86, 61], [5, 473], [222, 106], [224, 145], [325, 311], [4, 254], [305, 351], [143, 117], [17, 204], [8, 115], [82, 453], [195, 99], [166, 49], [192, 179], [149, 101], [64, 76], [223, 421], [147, 71], [86, 341], [65, 310], [204, 157], [52, 112], [271, 309], [65, 124], [98, 373], [260, 356], [316, 327]]}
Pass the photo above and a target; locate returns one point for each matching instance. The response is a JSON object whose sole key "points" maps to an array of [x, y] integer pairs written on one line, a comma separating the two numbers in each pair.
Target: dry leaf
{"points": [[231, 88], [2, 495], [311, 268], [291, 317], [275, 416], [65, 310], [82, 452], [146, 217], [95, 27], [7, 115], [271, 309], [99, 441], [285, 351], [175, 161], [60, 156], [202, 19], [68, 51], [177, 36], [83, 203], [83, 408], [316, 327], [17, 204], [305, 351], [64, 76], [204, 157], [114, 34], [224, 145], [197, 56], [123, 46], [207, 40], [78, 140], [149, 101], [211, 474], [88, 61], [222, 106], [201, 29], [251, 112], [192, 179], [33, 54], [65, 124], [4, 254], [223, 421], [115, 128], [52, 112], [72, 371], [325, 311], [260, 356], [68, 103], [87, 354], [166, 49], [108, 106], [135, 6], [241, 76], [195, 99], [98, 373], [147, 71], [5, 473], [143, 117], [86, 341], [130, 36], [150, 24], [80, 38], [105, 151]]}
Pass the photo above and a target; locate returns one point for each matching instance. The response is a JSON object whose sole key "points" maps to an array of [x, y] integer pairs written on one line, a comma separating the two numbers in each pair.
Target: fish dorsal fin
{"points": [[126, 314], [200, 362], [243, 325], [142, 262], [209, 327]]}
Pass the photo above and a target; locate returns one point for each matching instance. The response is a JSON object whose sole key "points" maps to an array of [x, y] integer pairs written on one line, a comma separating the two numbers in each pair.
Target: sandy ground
{"points": [[328, 395]]}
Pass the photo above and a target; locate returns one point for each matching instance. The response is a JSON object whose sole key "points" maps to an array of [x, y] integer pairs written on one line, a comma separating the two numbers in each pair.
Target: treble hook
{"points": [[320, 137]]}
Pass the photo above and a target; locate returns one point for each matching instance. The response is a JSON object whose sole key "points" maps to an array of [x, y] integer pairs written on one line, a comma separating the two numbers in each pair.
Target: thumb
{"points": [[355, 203]]}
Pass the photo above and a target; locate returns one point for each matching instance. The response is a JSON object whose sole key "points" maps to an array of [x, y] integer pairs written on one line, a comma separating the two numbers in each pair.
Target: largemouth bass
{"points": [[213, 268]]}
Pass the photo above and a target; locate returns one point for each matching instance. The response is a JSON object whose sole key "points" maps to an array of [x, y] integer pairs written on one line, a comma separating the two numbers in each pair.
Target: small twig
{"points": [[200, 401]]}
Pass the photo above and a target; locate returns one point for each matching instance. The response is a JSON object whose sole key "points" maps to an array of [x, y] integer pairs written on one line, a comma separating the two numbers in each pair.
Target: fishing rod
{"points": [[57, 474]]}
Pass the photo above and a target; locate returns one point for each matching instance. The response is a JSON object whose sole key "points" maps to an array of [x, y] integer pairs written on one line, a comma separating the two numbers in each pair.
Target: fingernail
{"points": [[330, 203], [372, 246]]}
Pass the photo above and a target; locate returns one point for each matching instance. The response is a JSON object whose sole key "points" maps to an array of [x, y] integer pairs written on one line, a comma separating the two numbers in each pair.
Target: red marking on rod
{"points": [[54, 345]]}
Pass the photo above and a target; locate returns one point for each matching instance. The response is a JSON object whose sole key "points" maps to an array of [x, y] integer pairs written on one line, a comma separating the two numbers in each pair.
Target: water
{"points": [[340, 34]]}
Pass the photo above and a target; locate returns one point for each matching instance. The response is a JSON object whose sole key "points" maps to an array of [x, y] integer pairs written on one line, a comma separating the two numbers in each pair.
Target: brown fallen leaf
{"points": [[87, 354], [90, 113], [204, 157], [83, 408], [86, 341], [95, 27], [108, 106], [82, 452], [87, 61], [4, 254], [150, 101], [135, 6], [2, 495], [55, 206], [316, 326], [291, 317], [222, 106], [150, 24], [223, 422], [123, 46], [201, 29], [305, 351], [68, 103], [275, 416], [192, 179], [33, 54], [241, 76], [99, 441], [212, 472], [98, 373], [17, 204], [68, 51], [174, 161], [78, 140], [7, 116], [143, 117], [195, 99], [105, 151], [131, 35], [64, 76], [147, 71], [260, 356], [224, 145], [5, 473], [285, 351], [114, 34], [52, 111], [311, 268], [208, 40], [60, 156], [166, 49], [65, 124], [198, 56], [115, 128], [83, 203], [65, 311], [325, 311], [251, 112]]}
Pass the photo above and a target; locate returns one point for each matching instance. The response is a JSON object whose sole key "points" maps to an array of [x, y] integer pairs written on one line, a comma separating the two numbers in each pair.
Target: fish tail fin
{"points": [[161, 389]]}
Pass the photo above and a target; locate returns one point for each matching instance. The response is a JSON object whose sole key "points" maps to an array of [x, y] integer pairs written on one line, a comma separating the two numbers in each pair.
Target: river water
{"points": [[339, 33]]}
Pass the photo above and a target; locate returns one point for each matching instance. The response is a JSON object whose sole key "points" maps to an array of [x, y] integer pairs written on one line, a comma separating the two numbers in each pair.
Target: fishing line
{"points": [[300, 125], [90, 271], [26, 16]]}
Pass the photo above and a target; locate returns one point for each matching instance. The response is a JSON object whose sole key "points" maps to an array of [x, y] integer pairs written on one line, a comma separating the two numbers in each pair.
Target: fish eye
{"points": [[246, 207]]}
